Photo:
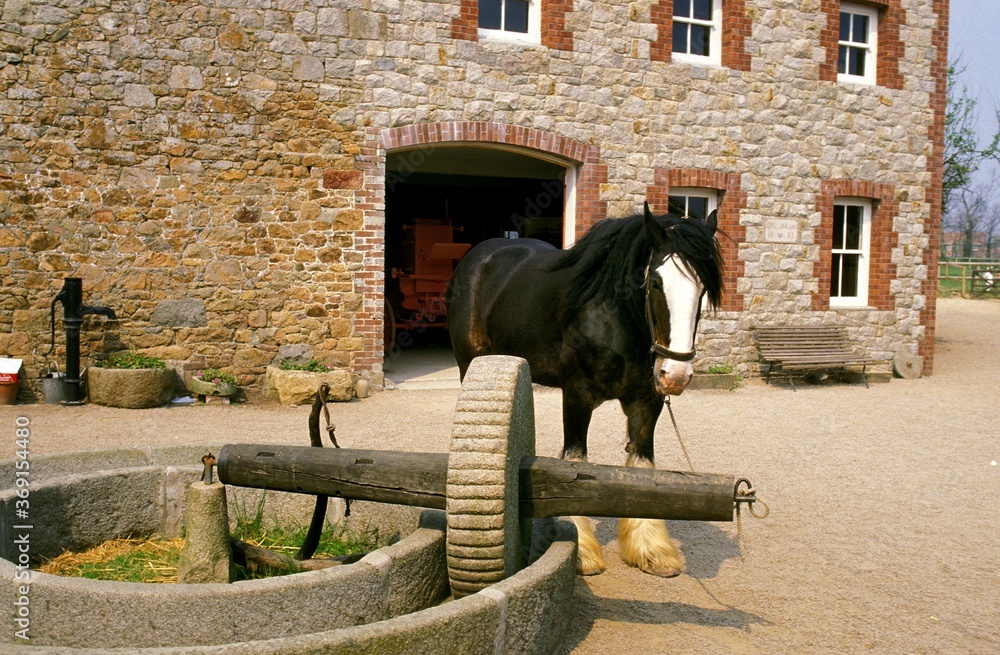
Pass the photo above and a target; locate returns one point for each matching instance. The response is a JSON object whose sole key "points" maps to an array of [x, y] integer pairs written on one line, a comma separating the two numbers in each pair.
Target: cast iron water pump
{"points": [[74, 310]]}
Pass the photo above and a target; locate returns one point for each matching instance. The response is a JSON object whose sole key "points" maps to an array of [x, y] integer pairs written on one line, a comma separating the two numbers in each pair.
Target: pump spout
{"points": [[97, 309]]}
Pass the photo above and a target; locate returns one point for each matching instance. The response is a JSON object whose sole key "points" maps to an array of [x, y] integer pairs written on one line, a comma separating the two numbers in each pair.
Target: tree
{"points": [[968, 217], [962, 153]]}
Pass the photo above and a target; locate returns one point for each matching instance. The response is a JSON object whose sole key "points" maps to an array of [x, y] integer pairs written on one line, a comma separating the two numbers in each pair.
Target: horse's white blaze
{"points": [[645, 543], [682, 290]]}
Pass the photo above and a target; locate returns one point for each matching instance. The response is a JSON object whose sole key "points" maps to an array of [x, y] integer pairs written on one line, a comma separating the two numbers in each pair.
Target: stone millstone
{"points": [[207, 555], [494, 429], [907, 365]]}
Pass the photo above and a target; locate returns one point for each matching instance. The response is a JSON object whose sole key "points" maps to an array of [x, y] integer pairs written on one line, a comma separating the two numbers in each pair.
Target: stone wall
{"points": [[215, 171]]}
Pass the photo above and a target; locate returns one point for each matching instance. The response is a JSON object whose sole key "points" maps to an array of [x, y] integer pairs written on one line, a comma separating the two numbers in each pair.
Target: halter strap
{"points": [[657, 348]]}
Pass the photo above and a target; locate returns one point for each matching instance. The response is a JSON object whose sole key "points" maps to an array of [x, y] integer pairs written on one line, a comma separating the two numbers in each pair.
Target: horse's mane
{"points": [[609, 262]]}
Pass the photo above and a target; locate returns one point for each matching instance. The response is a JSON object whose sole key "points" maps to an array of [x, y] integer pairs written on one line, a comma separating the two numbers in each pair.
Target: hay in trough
{"points": [[121, 560]]}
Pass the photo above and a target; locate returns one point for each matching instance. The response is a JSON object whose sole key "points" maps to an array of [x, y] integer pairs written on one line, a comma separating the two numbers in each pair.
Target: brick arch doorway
{"points": [[440, 201], [462, 184]]}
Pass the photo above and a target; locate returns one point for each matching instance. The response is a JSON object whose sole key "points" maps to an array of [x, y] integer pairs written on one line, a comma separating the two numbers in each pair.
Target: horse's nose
{"points": [[673, 378]]}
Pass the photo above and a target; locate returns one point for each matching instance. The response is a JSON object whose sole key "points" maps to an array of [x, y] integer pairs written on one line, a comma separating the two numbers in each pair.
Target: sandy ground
{"points": [[884, 533]]}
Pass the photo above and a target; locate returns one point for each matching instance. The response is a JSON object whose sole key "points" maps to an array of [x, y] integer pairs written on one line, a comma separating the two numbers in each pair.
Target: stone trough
{"points": [[395, 600]]}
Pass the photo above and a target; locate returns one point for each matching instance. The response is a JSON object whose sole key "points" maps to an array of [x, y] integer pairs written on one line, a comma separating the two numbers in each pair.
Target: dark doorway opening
{"points": [[439, 203]]}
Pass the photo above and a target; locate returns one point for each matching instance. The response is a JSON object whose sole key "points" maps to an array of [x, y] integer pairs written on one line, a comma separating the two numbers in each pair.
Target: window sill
{"points": [[512, 38], [853, 308], [694, 60], [855, 81]]}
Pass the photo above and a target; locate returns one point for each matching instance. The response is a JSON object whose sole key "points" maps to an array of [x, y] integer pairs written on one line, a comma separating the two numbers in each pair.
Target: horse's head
{"points": [[684, 266]]}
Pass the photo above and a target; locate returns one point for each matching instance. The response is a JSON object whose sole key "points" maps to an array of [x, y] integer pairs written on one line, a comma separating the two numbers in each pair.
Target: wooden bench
{"points": [[808, 348]]}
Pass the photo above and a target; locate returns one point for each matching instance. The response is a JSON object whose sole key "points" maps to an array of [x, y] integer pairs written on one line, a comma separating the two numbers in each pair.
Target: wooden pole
{"points": [[547, 486]]}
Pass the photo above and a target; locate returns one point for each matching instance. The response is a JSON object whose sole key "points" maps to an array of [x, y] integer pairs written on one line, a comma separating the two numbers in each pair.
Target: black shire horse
{"points": [[613, 317]]}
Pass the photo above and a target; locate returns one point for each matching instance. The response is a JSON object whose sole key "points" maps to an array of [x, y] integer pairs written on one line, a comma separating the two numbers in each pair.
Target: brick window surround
{"points": [[732, 199], [553, 28], [370, 198], [736, 29], [890, 47], [881, 270]]}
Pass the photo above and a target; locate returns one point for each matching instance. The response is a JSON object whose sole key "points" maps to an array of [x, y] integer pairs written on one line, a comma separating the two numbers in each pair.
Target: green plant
{"points": [[215, 376], [252, 527], [130, 359], [720, 369], [313, 365]]}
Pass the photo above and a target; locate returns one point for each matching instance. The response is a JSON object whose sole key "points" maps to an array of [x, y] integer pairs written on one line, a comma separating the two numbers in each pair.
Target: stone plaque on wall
{"points": [[781, 230]]}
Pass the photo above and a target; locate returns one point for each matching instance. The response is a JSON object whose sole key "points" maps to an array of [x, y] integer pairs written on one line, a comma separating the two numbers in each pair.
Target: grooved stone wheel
{"points": [[494, 428]]}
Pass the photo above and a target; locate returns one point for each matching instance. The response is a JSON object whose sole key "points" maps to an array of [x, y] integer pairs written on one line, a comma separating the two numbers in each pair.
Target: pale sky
{"points": [[975, 38]]}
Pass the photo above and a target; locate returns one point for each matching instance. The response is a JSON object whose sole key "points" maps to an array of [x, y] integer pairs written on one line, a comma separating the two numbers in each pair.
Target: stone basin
{"points": [[387, 602]]}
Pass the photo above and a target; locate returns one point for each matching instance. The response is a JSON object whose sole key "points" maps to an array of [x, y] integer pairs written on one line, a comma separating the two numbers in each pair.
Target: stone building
{"points": [[233, 176]]}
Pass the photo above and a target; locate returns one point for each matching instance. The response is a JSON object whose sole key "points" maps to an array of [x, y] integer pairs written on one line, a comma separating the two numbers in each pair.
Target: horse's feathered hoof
{"points": [[589, 568], [646, 545], [663, 572], [589, 560]]}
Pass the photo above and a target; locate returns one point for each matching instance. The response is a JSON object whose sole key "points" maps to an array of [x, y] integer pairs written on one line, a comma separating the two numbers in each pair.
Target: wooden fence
{"points": [[972, 278]]}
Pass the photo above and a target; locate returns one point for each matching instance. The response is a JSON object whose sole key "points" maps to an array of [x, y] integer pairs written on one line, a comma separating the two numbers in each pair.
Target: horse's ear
{"points": [[712, 222], [655, 231]]}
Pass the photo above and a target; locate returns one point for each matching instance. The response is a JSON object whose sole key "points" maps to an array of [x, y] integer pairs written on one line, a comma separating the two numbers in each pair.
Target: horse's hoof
{"points": [[590, 568], [665, 572]]}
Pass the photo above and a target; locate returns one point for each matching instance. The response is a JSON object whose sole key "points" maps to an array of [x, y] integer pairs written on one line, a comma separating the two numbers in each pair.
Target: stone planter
{"points": [[136, 388], [715, 381], [202, 388], [299, 387]]}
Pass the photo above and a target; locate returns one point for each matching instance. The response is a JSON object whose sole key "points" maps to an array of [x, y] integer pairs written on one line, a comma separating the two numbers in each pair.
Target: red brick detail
{"points": [[881, 270], [732, 199], [466, 26], [661, 14], [935, 164], [736, 29], [889, 51], [890, 48], [369, 242], [342, 179], [554, 32]]}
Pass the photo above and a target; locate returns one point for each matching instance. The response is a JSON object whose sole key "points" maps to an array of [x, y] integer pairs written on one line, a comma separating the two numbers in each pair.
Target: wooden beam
{"points": [[547, 486]]}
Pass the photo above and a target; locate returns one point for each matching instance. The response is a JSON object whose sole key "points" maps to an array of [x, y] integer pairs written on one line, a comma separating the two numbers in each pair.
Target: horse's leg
{"points": [[577, 410], [645, 543]]}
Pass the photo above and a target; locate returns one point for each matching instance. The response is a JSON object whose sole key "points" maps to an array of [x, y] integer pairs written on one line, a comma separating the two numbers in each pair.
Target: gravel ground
{"points": [[883, 535]]}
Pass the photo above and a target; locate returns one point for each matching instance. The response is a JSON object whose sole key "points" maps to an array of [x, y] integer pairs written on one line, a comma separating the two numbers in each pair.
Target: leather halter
{"points": [[657, 348]]}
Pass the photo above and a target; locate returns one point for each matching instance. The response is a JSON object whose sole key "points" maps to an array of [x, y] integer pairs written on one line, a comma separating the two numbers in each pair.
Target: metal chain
{"points": [[666, 400], [749, 496]]}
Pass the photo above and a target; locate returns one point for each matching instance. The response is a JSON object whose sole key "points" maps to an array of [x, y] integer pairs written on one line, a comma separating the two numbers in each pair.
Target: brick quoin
{"points": [[935, 164], [553, 28], [591, 174], [889, 51], [732, 199], [881, 270], [736, 29]]}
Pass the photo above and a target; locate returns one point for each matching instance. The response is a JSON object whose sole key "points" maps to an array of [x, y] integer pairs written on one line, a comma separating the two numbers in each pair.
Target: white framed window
{"points": [[697, 31], [693, 202], [511, 20], [858, 43], [851, 248]]}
